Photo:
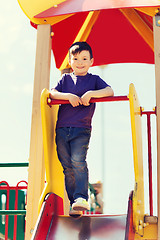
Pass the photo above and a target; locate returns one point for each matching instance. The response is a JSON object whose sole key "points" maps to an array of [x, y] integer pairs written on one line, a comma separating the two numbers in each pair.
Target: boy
{"points": [[73, 129]]}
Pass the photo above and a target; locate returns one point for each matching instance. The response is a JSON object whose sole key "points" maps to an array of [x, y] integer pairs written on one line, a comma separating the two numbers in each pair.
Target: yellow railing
{"points": [[138, 195], [54, 172]]}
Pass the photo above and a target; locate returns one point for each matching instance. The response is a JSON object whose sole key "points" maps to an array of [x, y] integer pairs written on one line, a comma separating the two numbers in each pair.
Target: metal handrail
{"points": [[12, 212], [25, 164]]}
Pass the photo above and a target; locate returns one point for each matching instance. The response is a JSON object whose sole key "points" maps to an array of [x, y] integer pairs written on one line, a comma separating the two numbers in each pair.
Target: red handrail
{"points": [[51, 102]]}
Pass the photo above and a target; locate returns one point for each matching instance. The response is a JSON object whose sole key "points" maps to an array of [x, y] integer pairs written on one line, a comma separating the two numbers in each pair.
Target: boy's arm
{"points": [[73, 99], [105, 92]]}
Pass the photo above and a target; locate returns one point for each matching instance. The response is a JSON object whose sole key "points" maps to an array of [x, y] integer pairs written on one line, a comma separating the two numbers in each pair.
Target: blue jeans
{"points": [[72, 145]]}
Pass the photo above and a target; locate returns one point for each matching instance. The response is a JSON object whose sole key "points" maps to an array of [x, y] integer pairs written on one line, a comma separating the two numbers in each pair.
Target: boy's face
{"points": [[81, 62]]}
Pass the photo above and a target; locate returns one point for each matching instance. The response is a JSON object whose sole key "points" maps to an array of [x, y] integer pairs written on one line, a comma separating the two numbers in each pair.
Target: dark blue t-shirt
{"points": [[80, 116]]}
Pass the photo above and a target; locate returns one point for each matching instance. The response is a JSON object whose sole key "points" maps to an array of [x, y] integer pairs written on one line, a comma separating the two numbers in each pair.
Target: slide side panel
{"points": [[138, 194], [54, 171]]}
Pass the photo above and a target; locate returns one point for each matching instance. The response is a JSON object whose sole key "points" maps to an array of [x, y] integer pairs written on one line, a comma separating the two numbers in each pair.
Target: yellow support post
{"points": [[157, 78], [36, 174], [82, 34]]}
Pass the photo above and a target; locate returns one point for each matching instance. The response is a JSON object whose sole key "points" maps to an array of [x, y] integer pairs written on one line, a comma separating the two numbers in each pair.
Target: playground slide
{"points": [[53, 226], [86, 227]]}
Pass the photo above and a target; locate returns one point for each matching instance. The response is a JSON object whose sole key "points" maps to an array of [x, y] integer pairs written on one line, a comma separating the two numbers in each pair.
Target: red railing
{"points": [[148, 114], [6, 187], [51, 102]]}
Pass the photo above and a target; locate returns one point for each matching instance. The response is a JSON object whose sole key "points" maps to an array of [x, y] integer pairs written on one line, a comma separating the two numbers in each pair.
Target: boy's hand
{"points": [[74, 100], [86, 98]]}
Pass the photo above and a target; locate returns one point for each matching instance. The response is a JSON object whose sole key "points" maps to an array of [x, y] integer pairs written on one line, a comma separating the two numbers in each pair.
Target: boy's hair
{"points": [[78, 47]]}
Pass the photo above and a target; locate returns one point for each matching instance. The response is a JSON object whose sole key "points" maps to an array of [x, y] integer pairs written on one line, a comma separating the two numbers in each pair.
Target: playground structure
{"points": [[134, 225], [112, 227], [52, 21]]}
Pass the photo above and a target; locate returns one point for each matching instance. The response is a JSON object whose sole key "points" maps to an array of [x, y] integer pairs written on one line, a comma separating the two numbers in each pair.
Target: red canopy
{"points": [[112, 38], [72, 6]]}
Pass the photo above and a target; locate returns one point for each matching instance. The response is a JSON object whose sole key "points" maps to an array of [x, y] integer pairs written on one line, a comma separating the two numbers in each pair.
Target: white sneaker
{"points": [[80, 204], [75, 213]]}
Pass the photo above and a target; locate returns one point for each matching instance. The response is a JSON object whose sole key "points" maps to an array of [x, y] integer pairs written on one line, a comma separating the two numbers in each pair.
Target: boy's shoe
{"points": [[80, 204], [75, 213]]}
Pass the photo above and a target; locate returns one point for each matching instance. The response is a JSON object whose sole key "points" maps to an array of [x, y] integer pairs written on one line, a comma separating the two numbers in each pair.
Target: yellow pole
{"points": [[138, 195], [157, 76], [36, 174]]}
